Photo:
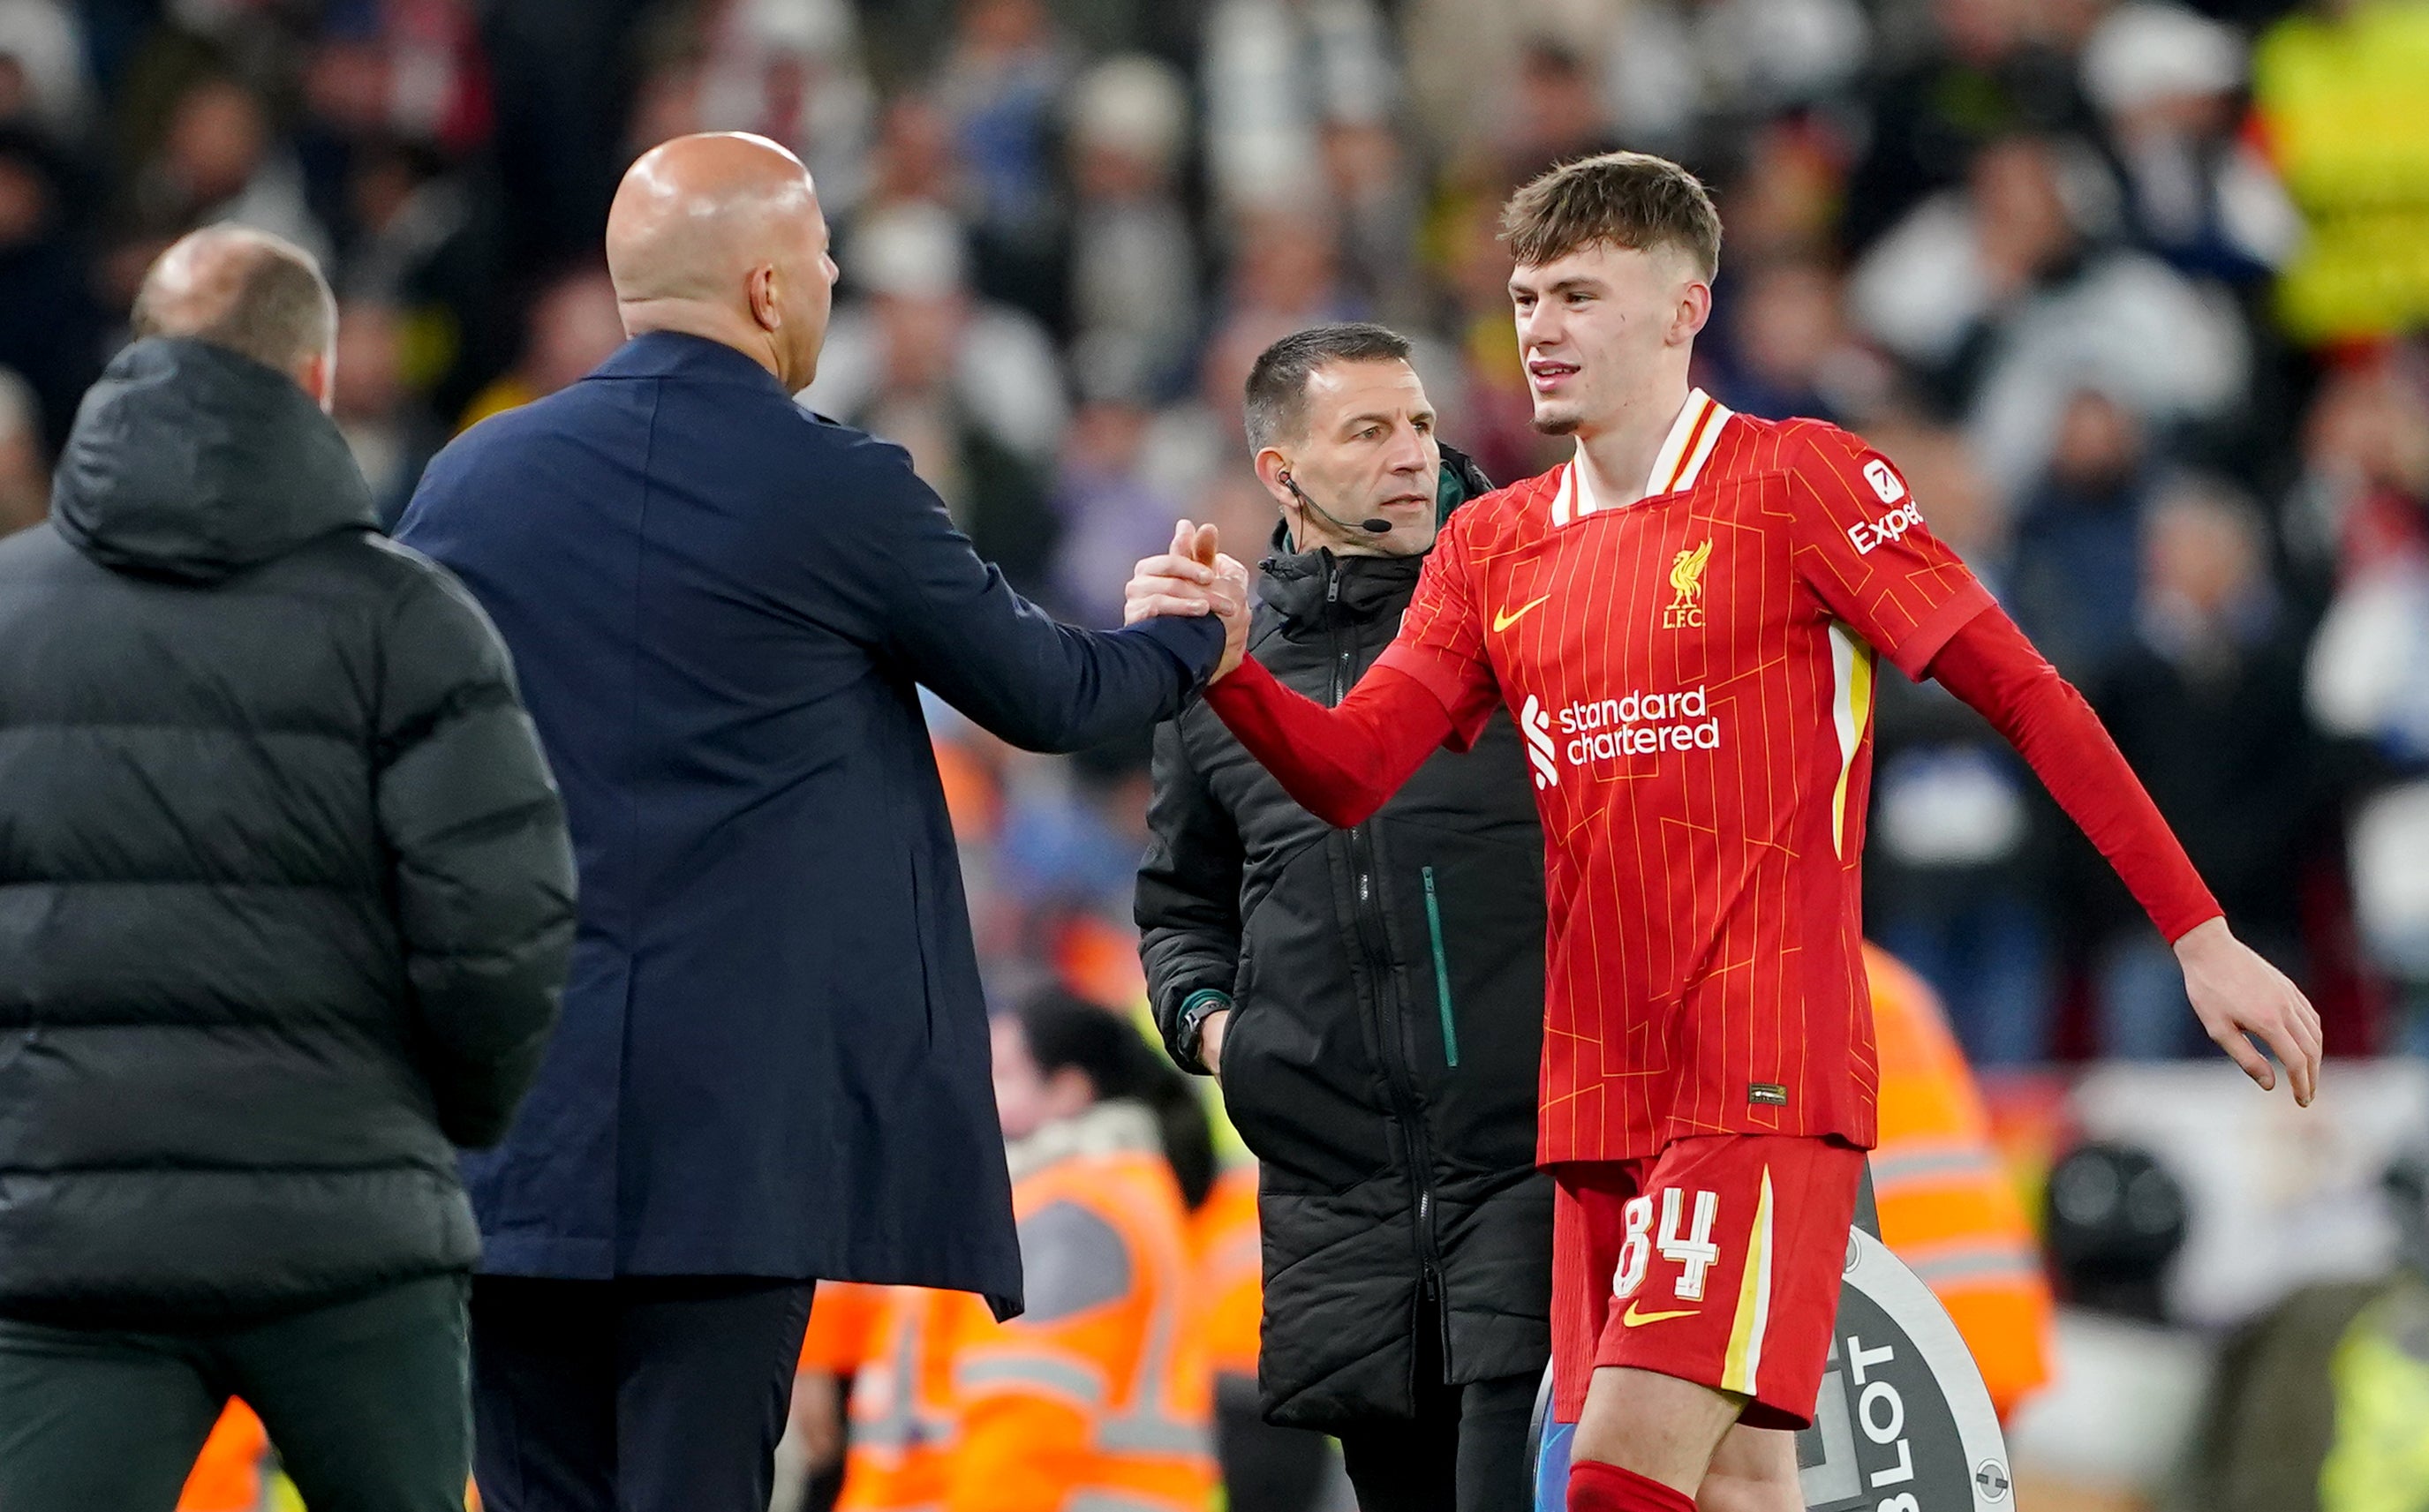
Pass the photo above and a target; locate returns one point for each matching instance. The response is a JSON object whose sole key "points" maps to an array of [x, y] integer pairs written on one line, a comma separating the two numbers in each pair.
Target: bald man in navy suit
{"points": [[772, 1065]]}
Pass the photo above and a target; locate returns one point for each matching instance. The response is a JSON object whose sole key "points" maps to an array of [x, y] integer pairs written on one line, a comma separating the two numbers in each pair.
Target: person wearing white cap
{"points": [[2165, 81]]}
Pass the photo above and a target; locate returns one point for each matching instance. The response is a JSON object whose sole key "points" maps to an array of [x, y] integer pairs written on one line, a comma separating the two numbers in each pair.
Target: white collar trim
{"points": [[1676, 467]]}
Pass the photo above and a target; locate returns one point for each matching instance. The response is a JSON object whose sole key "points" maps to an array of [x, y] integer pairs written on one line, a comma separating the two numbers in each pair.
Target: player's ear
{"points": [[1694, 308]]}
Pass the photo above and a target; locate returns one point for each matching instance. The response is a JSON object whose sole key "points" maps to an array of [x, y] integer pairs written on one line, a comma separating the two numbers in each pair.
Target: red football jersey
{"points": [[1692, 673]]}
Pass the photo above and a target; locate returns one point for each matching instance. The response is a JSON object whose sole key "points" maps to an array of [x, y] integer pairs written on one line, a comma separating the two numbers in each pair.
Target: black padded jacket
{"points": [[1388, 987], [286, 895]]}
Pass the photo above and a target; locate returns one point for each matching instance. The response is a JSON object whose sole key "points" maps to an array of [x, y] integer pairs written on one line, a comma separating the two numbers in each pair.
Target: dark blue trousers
{"points": [[641, 1394]]}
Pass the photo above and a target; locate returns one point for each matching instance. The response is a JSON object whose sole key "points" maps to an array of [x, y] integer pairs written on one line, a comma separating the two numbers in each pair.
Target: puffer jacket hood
{"points": [[192, 462]]}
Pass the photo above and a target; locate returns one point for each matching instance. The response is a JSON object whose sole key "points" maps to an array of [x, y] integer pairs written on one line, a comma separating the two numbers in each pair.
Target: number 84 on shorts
{"points": [[1717, 1262]]}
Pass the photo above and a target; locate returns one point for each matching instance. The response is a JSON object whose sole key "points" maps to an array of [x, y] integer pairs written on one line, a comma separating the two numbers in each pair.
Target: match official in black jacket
{"points": [[1372, 998], [286, 900]]}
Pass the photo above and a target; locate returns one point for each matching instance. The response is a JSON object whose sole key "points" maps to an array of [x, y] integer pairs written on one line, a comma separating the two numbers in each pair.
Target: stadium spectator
{"points": [[220, 159], [24, 461], [2002, 298], [571, 329], [2207, 703], [2197, 193], [291, 903], [2076, 583], [42, 81], [1787, 349], [1000, 87], [971, 388], [390, 435], [51, 329], [1275, 76], [1133, 259], [1983, 74], [792, 72], [1113, 503]]}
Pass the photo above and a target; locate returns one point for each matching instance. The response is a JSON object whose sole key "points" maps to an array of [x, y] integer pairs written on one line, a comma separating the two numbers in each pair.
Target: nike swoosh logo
{"points": [[1632, 1317], [1509, 618]]}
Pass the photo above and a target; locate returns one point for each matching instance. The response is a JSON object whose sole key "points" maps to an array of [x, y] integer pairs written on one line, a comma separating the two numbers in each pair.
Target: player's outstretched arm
{"points": [[1339, 764], [2235, 993]]}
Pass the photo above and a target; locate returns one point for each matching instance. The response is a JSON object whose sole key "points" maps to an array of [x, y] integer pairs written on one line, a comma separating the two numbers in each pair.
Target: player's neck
{"points": [[1619, 455]]}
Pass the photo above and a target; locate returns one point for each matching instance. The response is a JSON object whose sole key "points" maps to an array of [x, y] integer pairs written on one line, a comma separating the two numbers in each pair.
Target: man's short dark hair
{"points": [[1277, 406], [1632, 200], [266, 299]]}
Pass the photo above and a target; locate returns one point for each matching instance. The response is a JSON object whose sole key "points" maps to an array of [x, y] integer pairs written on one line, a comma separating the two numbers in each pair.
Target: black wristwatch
{"points": [[1192, 1023]]}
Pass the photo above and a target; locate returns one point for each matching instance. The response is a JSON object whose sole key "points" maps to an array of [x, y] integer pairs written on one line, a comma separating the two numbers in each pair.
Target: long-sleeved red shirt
{"points": [[1342, 763], [1692, 674]]}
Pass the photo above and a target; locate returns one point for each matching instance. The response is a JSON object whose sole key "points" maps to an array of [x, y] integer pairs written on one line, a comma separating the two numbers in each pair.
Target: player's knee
{"points": [[1753, 1469], [1739, 1493], [1654, 1424]]}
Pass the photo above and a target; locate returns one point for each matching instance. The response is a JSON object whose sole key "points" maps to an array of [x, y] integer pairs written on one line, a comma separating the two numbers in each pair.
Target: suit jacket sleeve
{"points": [[1000, 659], [1188, 904], [482, 868]]}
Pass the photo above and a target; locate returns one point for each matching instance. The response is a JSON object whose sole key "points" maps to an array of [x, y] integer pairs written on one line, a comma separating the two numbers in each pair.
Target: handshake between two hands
{"points": [[1194, 577]]}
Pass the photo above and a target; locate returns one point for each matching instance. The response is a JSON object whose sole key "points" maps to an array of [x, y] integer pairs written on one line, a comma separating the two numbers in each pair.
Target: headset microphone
{"points": [[1376, 525]]}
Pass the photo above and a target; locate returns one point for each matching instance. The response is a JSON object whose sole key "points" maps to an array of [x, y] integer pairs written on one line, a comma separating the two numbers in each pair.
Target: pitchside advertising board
{"points": [[1903, 1424]]}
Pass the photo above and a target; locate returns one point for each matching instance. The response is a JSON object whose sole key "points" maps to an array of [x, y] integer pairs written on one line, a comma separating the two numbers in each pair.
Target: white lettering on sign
{"points": [[1881, 1412]]}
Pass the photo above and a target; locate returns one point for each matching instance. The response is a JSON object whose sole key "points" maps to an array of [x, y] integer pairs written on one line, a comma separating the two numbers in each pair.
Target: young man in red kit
{"points": [[1686, 622]]}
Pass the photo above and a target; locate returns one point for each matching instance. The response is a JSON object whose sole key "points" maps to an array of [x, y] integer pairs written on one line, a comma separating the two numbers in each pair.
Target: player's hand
{"points": [[1180, 582], [1231, 593], [1210, 1041], [2237, 993]]}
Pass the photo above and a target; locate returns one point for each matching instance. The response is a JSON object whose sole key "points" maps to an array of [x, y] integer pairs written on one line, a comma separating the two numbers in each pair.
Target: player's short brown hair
{"points": [[1633, 200]]}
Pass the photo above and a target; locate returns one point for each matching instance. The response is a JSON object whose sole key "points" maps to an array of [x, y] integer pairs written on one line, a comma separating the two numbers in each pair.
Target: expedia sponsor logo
{"points": [[1537, 727], [1867, 535], [1640, 724]]}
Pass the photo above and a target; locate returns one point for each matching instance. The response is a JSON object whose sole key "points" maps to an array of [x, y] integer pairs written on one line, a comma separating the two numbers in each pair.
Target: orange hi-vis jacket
{"points": [[227, 1474], [902, 1421], [845, 1318], [1947, 1207], [1098, 1397], [1232, 1270]]}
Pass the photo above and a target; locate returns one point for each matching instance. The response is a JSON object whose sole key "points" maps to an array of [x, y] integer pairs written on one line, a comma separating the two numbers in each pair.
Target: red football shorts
{"points": [[1717, 1263]]}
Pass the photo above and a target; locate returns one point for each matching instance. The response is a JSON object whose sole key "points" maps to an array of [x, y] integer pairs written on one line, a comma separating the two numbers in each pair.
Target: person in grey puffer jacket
{"points": [[286, 901]]}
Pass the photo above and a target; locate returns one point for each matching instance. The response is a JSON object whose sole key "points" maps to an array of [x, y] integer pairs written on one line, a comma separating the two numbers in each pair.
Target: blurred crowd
{"points": [[2129, 288]]}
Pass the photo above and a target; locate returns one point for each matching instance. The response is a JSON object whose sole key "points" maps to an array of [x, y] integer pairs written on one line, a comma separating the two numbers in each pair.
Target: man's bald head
{"points": [[720, 234], [246, 290]]}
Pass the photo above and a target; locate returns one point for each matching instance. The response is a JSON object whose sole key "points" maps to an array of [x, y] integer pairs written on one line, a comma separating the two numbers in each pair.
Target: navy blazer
{"points": [[773, 1056]]}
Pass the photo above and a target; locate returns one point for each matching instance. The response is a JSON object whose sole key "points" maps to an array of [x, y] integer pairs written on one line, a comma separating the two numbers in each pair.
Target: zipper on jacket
{"points": [[1372, 937], [1442, 974]]}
